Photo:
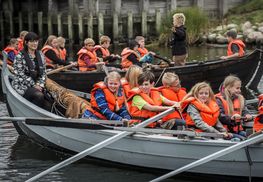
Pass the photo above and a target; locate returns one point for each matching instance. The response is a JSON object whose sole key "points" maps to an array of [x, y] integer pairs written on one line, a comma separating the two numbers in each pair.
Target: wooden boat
{"points": [[144, 150], [248, 68]]}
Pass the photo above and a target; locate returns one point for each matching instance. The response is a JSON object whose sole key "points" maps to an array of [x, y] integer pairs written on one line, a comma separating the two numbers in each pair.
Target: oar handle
{"points": [[62, 68]]}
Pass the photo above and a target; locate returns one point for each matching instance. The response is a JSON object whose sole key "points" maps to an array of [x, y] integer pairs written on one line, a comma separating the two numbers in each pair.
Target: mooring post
{"points": [[158, 19], [60, 25], [100, 25], [115, 28], [90, 25], [80, 22], [49, 24], [130, 25], [144, 23], [70, 35]]}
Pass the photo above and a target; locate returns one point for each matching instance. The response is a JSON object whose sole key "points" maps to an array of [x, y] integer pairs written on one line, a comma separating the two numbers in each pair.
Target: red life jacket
{"points": [[105, 52], [92, 56], [142, 51], [174, 96], [125, 63], [9, 49], [257, 125], [237, 110], [209, 113], [20, 44], [111, 99], [49, 62], [62, 54], [240, 45], [154, 98], [126, 87]]}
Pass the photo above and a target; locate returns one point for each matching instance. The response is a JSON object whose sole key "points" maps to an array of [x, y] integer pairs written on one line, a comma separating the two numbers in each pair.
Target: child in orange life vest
{"points": [[145, 101], [131, 79], [130, 55], [107, 100], [172, 90], [61, 47], [11, 50], [21, 40], [258, 121], [202, 110], [145, 55], [236, 47], [51, 53], [232, 106], [87, 58], [103, 52]]}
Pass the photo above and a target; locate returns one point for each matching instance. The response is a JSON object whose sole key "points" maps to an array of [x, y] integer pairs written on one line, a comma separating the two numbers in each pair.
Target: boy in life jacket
{"points": [[103, 52], [11, 50], [21, 40], [130, 55], [146, 56], [51, 53], [145, 101], [131, 79], [232, 106], [87, 58], [236, 47], [202, 110], [107, 100], [258, 121], [61, 47], [172, 90]]}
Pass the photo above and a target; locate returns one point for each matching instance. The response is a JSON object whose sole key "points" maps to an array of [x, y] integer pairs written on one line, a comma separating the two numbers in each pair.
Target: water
{"points": [[21, 158]]}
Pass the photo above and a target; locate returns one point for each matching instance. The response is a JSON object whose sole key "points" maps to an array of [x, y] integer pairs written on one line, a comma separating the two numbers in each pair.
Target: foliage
{"points": [[196, 22]]}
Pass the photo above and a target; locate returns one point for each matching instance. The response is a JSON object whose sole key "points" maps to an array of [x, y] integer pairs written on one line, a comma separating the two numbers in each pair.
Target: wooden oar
{"points": [[211, 157], [61, 68], [100, 145], [162, 58]]}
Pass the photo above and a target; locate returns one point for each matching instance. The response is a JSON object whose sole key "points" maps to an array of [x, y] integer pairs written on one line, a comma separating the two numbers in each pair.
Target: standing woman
{"points": [[178, 42], [29, 71]]}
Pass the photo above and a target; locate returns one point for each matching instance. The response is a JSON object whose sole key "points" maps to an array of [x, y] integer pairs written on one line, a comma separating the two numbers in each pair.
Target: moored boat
{"points": [[151, 151], [248, 68]]}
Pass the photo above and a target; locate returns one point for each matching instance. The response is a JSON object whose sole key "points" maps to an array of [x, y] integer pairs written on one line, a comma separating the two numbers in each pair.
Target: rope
{"points": [[160, 76]]}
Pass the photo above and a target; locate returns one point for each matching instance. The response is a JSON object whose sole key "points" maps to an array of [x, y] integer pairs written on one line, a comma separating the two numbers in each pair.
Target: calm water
{"points": [[21, 158]]}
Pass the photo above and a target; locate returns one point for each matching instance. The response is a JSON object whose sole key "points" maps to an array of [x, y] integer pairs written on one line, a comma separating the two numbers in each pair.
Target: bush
{"points": [[196, 22]]}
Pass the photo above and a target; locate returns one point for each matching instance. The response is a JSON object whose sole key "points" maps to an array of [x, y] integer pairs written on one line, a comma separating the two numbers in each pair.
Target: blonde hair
{"points": [[50, 39], [13, 41], [112, 75], [138, 38], [179, 17], [196, 88], [229, 83], [89, 41], [169, 78], [61, 40], [104, 39], [23, 34], [132, 75]]}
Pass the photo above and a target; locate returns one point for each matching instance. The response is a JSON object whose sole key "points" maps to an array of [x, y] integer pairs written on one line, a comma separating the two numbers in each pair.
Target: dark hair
{"points": [[133, 44], [29, 37], [232, 34], [146, 76]]}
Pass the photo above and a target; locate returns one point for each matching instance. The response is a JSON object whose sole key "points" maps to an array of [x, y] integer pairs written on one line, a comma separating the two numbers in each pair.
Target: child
{"points": [[130, 55], [61, 47], [107, 100], [172, 90], [258, 122], [236, 47], [21, 40], [146, 102], [232, 106], [11, 50], [145, 55], [87, 58], [202, 110]]}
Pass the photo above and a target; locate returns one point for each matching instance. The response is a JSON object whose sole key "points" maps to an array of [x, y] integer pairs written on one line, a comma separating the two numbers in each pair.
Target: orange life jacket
{"points": [[174, 96], [257, 125], [209, 113], [62, 54], [240, 45], [20, 44], [49, 62], [92, 56], [237, 110], [105, 52], [126, 87], [111, 99], [153, 99], [9, 49], [125, 63], [142, 51]]}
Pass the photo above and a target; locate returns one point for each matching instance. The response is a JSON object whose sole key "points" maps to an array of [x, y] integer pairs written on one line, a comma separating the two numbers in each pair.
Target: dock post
{"points": [[49, 24], [130, 25], [90, 25], [100, 25], [144, 23], [158, 20], [70, 35], [80, 22], [40, 23], [60, 25], [115, 27]]}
